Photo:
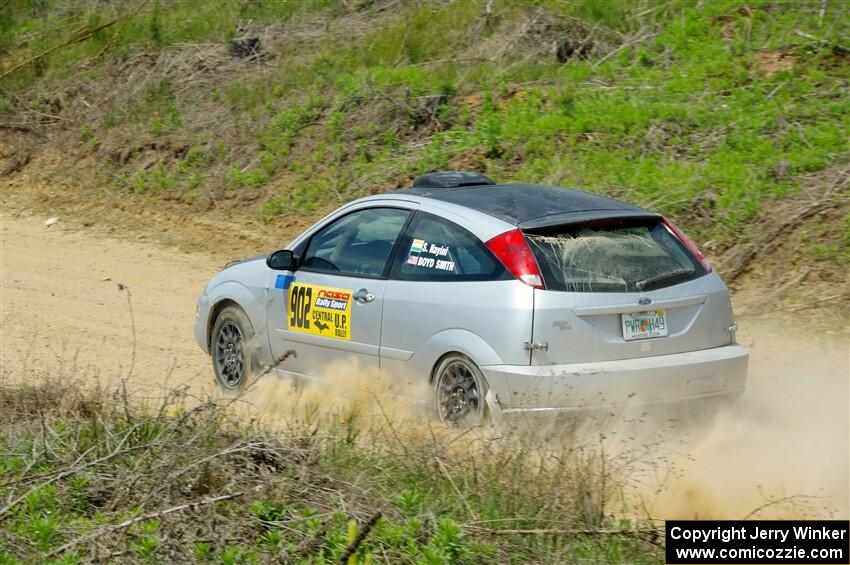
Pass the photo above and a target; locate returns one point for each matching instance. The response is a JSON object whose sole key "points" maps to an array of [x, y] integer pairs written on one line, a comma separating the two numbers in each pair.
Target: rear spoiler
{"points": [[567, 218]]}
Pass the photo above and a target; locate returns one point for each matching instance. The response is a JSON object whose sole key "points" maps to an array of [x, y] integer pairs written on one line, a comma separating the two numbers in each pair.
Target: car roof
{"points": [[530, 206]]}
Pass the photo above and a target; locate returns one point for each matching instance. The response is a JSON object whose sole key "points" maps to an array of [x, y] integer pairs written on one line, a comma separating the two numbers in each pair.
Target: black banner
{"points": [[818, 542]]}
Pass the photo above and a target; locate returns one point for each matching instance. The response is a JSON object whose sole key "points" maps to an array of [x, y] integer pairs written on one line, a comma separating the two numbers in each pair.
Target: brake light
{"points": [[688, 243], [515, 254]]}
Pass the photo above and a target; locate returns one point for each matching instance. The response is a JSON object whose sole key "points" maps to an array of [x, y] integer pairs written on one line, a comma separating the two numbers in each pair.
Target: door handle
{"points": [[363, 296]]}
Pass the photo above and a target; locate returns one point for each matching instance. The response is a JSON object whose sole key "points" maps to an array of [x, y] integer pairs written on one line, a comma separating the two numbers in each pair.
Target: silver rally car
{"points": [[504, 297]]}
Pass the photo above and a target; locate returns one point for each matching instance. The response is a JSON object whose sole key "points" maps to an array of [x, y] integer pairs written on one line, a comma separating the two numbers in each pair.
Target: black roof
{"points": [[530, 206]]}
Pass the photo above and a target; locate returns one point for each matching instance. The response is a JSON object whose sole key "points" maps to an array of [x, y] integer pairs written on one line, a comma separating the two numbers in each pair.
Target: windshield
{"points": [[621, 257]]}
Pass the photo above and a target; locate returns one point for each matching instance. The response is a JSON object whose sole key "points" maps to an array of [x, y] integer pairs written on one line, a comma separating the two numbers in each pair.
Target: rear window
{"points": [[619, 256]]}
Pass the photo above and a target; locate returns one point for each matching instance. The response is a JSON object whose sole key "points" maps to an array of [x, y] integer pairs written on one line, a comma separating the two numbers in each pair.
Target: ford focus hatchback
{"points": [[505, 298]]}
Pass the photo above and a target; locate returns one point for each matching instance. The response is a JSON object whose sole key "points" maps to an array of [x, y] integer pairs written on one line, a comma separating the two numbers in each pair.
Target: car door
{"points": [[329, 310]]}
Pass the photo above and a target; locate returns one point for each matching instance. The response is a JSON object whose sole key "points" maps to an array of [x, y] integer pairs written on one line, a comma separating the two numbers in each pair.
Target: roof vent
{"points": [[451, 179]]}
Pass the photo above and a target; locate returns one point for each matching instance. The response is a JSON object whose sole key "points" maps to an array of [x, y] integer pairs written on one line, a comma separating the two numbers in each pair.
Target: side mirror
{"points": [[283, 260]]}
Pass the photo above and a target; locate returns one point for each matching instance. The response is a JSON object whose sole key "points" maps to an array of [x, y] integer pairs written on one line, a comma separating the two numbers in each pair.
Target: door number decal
{"points": [[319, 310]]}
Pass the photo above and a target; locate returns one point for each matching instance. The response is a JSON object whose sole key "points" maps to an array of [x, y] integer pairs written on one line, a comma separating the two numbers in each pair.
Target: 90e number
{"points": [[299, 306]]}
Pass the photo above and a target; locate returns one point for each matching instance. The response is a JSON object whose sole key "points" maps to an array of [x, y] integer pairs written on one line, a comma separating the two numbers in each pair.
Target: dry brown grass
{"points": [[88, 478]]}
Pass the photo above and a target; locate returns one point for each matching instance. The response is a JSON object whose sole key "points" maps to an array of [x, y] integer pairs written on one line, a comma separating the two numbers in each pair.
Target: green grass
{"points": [[76, 463], [674, 109]]}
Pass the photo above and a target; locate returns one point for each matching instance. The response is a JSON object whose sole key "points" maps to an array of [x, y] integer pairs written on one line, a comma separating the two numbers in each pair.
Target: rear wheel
{"points": [[459, 391], [231, 351]]}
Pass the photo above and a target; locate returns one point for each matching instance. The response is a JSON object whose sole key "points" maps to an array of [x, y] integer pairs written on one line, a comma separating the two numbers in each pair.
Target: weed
{"points": [[309, 492], [202, 551]]}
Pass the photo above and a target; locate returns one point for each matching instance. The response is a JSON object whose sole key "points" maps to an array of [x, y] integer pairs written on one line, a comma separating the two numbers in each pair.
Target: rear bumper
{"points": [[678, 378]]}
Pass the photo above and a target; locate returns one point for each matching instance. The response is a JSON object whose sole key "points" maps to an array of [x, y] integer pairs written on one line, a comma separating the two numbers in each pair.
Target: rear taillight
{"points": [[515, 254], [688, 243]]}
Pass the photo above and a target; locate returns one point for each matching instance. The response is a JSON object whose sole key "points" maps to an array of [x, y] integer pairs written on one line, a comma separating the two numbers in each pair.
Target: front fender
{"points": [[254, 307]]}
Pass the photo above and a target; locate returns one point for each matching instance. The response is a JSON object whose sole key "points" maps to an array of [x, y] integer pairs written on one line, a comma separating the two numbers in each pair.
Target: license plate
{"points": [[641, 325]]}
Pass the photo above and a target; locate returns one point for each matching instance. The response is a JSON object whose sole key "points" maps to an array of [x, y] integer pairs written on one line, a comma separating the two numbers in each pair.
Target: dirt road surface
{"points": [[62, 309], [62, 313]]}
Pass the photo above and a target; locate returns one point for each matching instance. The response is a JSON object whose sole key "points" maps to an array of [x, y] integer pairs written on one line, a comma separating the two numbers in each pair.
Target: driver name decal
{"points": [[319, 310], [419, 251]]}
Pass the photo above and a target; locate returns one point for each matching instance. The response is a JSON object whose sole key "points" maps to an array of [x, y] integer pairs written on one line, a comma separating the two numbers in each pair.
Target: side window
{"points": [[357, 244], [435, 249]]}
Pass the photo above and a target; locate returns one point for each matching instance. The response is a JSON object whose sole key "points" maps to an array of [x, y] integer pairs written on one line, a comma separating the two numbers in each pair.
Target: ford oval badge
{"points": [[644, 301]]}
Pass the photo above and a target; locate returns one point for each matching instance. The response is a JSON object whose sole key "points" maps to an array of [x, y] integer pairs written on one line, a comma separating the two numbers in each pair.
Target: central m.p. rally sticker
{"points": [[319, 310]]}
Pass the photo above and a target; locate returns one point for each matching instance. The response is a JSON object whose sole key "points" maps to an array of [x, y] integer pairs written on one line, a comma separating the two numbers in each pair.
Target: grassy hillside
{"points": [[730, 116]]}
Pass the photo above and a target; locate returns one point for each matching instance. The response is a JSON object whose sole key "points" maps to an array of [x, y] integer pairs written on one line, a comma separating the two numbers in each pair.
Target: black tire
{"points": [[459, 391], [232, 350]]}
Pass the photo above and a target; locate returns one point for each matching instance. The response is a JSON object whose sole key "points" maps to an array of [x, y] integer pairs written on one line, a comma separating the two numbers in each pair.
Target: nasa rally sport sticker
{"points": [[319, 310]]}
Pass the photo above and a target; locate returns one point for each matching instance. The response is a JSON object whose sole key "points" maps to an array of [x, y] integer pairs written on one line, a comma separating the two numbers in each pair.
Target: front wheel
{"points": [[459, 389], [231, 351]]}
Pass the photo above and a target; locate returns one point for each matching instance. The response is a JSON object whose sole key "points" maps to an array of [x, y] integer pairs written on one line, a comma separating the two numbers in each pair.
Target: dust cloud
{"points": [[344, 391], [781, 452]]}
